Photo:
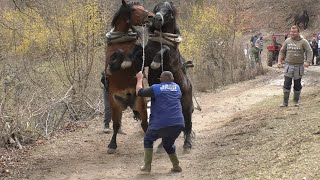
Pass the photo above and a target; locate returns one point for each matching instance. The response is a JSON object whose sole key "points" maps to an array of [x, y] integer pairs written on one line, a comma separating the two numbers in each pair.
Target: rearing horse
{"points": [[123, 61], [162, 54]]}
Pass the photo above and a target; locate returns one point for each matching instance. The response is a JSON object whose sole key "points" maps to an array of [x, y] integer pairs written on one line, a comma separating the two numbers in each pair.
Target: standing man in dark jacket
{"points": [[166, 118], [295, 49], [314, 47]]}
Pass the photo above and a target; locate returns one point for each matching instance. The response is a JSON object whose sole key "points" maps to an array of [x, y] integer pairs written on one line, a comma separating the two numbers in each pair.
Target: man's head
{"points": [[166, 76], [295, 32]]}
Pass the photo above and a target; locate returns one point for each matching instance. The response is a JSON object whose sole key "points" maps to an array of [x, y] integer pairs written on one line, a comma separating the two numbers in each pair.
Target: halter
{"points": [[162, 19]]}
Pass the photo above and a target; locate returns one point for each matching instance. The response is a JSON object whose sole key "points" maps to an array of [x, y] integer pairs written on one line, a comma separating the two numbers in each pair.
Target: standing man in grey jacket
{"points": [[295, 50]]}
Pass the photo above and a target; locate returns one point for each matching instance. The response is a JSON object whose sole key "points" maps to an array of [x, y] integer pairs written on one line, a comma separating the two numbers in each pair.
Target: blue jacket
{"points": [[166, 107]]}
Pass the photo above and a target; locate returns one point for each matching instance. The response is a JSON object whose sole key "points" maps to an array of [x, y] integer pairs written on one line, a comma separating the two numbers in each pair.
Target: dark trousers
{"points": [[315, 54], [288, 83], [168, 135]]}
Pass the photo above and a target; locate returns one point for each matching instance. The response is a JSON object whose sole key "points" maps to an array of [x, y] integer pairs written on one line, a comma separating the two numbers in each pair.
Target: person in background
{"points": [[314, 47], [295, 49], [318, 39]]}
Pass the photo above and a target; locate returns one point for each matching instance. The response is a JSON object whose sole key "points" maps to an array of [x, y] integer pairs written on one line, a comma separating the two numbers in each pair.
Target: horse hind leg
{"points": [[140, 111], [187, 110], [187, 131], [116, 118]]}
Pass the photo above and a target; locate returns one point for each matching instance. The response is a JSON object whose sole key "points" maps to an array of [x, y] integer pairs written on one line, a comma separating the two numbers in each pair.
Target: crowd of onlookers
{"points": [[256, 43]]}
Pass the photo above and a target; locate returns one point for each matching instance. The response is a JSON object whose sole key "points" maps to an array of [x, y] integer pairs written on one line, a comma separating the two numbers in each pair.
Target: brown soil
{"points": [[240, 134]]}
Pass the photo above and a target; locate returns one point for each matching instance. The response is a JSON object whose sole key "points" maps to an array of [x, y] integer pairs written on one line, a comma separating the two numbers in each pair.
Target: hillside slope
{"points": [[275, 15]]}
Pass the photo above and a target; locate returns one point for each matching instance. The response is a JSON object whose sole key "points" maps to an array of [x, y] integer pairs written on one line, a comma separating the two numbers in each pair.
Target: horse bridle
{"points": [[162, 19]]}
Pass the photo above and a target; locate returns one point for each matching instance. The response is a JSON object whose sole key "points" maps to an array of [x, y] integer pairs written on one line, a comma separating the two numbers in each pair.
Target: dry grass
{"points": [[272, 143]]}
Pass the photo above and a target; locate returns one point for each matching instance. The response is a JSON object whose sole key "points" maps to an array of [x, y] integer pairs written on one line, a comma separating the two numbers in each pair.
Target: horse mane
{"points": [[124, 11], [168, 5]]}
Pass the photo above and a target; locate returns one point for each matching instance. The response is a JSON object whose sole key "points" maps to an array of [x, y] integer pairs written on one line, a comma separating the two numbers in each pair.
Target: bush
{"points": [[51, 59], [214, 44]]}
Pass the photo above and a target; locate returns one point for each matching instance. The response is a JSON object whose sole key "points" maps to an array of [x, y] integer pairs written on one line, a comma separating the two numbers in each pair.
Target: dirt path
{"points": [[219, 151]]}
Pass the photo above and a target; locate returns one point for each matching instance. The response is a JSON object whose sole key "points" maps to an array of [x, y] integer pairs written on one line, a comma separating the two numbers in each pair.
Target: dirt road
{"points": [[233, 140]]}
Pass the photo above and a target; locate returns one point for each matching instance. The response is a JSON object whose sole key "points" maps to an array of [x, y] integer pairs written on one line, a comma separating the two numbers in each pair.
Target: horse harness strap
{"points": [[166, 38], [119, 37]]}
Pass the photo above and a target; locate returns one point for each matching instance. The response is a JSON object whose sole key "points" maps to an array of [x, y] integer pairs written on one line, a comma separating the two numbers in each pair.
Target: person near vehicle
{"points": [[257, 38], [276, 47], [166, 118], [255, 54], [295, 50]]}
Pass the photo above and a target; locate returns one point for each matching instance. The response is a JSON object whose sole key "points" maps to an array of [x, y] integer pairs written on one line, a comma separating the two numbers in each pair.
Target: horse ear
{"points": [[124, 3]]}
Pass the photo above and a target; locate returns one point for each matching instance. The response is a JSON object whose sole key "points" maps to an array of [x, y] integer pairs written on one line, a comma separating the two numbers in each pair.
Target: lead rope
{"points": [[143, 46], [161, 52]]}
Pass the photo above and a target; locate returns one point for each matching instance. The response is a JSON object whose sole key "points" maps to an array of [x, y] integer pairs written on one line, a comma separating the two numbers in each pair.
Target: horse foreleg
{"points": [[116, 118]]}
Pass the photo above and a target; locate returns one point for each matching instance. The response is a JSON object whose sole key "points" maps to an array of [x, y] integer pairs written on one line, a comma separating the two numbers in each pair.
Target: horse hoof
{"points": [[186, 150], [107, 130], [111, 151], [126, 64], [155, 65], [109, 71]]}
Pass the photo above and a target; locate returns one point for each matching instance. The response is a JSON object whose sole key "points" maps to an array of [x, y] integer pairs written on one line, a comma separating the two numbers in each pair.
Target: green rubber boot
{"points": [[148, 152], [296, 97], [175, 163], [285, 99]]}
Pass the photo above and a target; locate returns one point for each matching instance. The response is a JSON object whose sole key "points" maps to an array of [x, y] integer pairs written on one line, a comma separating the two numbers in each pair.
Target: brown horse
{"points": [[162, 54], [123, 61]]}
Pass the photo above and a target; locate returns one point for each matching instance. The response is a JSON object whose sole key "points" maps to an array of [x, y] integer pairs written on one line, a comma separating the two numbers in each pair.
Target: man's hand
{"points": [[280, 65], [139, 75], [306, 64], [139, 82]]}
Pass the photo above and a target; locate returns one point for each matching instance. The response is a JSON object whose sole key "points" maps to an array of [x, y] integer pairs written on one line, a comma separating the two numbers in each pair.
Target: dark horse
{"points": [[304, 19], [164, 31], [123, 61]]}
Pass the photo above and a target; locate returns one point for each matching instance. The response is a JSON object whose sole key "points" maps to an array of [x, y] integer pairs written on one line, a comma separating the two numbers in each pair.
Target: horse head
{"points": [[165, 13], [128, 15], [131, 14]]}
